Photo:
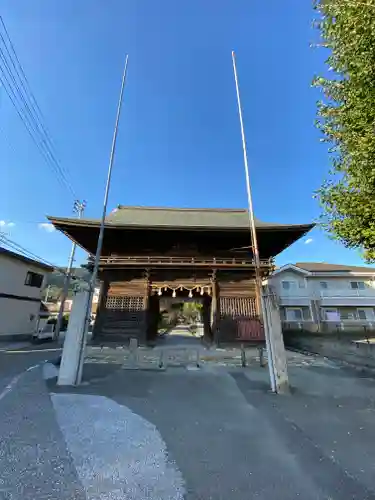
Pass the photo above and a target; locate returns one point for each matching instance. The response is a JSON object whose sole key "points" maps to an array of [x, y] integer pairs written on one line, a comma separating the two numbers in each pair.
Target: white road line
{"points": [[10, 386], [14, 381], [15, 345], [54, 349]]}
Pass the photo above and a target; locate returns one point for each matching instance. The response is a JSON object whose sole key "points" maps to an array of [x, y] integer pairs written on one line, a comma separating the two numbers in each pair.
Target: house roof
{"points": [[326, 267], [159, 217], [27, 260]]}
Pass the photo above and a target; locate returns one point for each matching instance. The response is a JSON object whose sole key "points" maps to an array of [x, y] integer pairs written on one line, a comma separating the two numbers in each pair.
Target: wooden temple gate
{"points": [[151, 251], [130, 303]]}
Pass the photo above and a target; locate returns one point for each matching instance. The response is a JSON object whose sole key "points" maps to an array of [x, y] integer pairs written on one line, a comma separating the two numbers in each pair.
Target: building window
{"points": [[357, 285], [361, 314], [34, 279], [349, 315], [330, 315], [366, 314], [323, 285], [293, 314], [288, 285]]}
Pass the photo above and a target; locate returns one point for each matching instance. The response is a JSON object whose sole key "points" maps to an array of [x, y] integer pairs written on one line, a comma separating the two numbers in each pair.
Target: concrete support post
{"points": [[272, 317], [69, 368], [100, 309]]}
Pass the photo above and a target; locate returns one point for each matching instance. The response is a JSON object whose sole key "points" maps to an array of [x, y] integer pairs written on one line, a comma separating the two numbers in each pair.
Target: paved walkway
{"points": [[212, 433]]}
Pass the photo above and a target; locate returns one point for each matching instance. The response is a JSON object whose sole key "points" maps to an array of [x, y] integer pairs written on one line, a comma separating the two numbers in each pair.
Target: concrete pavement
{"points": [[16, 358], [212, 433]]}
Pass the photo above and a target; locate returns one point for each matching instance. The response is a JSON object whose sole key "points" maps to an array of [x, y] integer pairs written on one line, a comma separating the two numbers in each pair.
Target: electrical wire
{"points": [[17, 87], [27, 253], [24, 251]]}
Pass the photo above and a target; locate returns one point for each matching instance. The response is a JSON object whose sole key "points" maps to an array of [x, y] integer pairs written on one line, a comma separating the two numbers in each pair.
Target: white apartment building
{"points": [[21, 282], [318, 296]]}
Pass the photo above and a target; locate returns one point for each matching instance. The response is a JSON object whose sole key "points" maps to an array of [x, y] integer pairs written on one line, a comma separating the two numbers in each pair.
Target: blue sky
{"points": [[179, 141]]}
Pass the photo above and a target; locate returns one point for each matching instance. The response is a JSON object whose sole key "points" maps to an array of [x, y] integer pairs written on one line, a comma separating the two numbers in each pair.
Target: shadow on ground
{"points": [[232, 438]]}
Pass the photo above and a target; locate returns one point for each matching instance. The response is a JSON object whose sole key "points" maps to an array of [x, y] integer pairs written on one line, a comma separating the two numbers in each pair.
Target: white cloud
{"points": [[308, 241], [3, 223], [46, 226]]}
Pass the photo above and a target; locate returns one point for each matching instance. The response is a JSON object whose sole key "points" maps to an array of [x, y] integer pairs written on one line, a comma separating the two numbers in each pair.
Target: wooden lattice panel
{"points": [[239, 288], [129, 288], [237, 306], [125, 303]]}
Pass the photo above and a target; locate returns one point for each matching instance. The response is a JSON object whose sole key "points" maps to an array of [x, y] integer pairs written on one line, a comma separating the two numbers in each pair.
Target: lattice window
{"points": [[125, 303], [237, 306]]}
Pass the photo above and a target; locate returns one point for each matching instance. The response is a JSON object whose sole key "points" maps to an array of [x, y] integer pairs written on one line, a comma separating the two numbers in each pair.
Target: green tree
{"points": [[54, 293], [192, 311], [346, 117]]}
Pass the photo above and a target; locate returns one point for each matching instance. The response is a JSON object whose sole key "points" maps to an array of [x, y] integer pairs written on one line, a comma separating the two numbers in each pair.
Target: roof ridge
{"points": [[324, 263], [24, 258], [328, 263], [177, 209]]}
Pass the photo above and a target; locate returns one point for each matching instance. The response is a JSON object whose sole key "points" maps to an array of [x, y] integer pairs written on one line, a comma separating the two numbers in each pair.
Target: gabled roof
{"points": [[27, 260], [290, 267], [319, 268], [326, 267], [198, 218]]}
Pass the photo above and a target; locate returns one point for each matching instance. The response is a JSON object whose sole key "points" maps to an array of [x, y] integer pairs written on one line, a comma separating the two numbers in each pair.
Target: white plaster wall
{"points": [[18, 316], [13, 275], [15, 316], [341, 285], [301, 284]]}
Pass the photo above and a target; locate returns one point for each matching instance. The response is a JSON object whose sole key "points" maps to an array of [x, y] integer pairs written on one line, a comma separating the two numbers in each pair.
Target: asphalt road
{"points": [[213, 433], [14, 360]]}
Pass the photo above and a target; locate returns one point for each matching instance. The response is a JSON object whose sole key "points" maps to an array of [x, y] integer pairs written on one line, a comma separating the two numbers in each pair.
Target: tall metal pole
{"points": [[101, 231], [253, 235], [79, 208]]}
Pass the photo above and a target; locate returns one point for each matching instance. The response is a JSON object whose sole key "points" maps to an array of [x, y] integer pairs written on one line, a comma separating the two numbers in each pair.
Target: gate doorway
{"points": [[181, 311]]}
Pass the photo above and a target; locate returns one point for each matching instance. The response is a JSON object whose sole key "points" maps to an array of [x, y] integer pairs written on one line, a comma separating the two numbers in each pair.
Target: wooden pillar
{"points": [[215, 308], [146, 306]]}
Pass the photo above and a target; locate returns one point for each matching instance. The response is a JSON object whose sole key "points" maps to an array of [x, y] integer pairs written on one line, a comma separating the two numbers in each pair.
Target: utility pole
{"points": [[78, 208], [47, 293], [101, 231], [254, 240]]}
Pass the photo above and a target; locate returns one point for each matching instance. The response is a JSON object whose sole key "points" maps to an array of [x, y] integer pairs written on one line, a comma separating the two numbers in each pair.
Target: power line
{"points": [[17, 87], [32, 130], [27, 97], [27, 126], [27, 253], [21, 69]]}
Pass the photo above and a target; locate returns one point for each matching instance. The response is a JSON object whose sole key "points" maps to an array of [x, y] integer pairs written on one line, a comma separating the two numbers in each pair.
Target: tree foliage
{"points": [[192, 311], [346, 117]]}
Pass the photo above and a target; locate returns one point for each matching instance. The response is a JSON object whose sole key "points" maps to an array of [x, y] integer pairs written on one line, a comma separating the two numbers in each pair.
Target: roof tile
{"points": [[326, 267]]}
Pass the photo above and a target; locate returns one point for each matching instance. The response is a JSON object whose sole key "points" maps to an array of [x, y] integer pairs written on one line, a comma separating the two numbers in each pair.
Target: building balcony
{"points": [[347, 297], [347, 292], [330, 297], [296, 297], [165, 261], [323, 326]]}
